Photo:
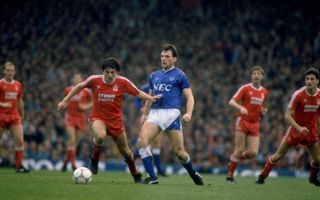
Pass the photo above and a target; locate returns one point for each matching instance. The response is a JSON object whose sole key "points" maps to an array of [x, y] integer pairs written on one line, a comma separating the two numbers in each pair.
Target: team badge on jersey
{"points": [[171, 78], [115, 88]]}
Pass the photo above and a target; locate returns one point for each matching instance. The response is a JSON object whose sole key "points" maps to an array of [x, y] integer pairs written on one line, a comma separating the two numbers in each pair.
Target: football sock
{"points": [[136, 154], [19, 157], [72, 156], [232, 165], [267, 167], [96, 152], [157, 159], [131, 164], [314, 171], [147, 160], [188, 166]]}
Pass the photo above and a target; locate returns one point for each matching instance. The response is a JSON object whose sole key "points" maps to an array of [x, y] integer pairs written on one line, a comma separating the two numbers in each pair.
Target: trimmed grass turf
{"points": [[55, 185]]}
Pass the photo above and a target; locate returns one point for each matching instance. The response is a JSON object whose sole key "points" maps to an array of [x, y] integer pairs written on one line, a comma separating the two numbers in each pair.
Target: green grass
{"points": [[47, 185]]}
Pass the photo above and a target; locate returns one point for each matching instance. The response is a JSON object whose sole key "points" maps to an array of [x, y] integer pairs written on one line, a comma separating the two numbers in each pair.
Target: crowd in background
{"points": [[218, 42]]}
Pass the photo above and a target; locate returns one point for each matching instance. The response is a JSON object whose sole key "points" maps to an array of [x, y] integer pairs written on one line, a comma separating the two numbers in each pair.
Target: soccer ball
{"points": [[82, 175]]}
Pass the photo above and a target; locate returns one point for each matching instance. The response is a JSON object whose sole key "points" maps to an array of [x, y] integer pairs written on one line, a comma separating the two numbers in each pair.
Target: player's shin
{"points": [[267, 167], [147, 160]]}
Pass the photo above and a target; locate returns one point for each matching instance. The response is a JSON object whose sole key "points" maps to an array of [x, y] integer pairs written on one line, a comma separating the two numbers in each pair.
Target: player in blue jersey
{"points": [[164, 115], [156, 143]]}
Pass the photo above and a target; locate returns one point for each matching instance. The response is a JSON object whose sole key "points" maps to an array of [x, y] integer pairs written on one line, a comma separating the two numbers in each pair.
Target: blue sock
{"points": [[147, 160], [188, 166], [136, 154], [148, 165], [157, 162]]}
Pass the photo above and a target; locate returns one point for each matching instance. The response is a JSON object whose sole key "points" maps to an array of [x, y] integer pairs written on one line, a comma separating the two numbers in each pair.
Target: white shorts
{"points": [[166, 119]]}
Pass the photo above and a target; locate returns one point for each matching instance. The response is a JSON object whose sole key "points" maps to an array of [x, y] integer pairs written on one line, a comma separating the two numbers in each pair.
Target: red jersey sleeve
{"points": [[129, 87], [240, 93]]}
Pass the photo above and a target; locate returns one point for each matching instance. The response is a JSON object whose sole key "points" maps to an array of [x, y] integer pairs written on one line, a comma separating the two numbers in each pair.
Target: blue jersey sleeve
{"points": [[184, 82]]}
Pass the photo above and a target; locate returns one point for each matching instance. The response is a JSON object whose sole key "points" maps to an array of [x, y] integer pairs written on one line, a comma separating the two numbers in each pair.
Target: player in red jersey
{"points": [[106, 115], [302, 115], [75, 119], [250, 101], [12, 112]]}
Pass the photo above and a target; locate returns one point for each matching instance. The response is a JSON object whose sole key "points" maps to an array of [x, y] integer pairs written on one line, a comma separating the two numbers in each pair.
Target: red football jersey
{"points": [[10, 92], [107, 98], [252, 99], [305, 107], [73, 105]]}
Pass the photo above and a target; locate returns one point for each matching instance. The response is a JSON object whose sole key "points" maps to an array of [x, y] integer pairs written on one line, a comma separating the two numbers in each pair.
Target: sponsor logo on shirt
{"points": [[162, 87], [11, 95], [311, 108], [106, 97], [256, 100]]}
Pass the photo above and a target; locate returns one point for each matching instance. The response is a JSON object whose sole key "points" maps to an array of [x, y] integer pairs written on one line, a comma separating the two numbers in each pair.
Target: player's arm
{"points": [[189, 104], [264, 106], [290, 120], [21, 108], [5, 104], [64, 103], [233, 103], [87, 104]]}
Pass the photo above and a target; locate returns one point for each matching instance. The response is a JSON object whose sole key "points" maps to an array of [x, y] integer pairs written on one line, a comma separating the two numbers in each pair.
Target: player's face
{"points": [[9, 72], [109, 74], [311, 81], [167, 60], [256, 76]]}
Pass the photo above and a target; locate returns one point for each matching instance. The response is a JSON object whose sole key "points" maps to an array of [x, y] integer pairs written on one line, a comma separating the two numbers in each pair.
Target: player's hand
{"points": [[6, 105], [303, 130], [186, 117], [243, 111], [62, 105], [156, 97]]}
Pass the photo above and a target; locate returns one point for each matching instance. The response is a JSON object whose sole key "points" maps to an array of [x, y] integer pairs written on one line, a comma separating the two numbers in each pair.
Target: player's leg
{"points": [[71, 148], [147, 133], [17, 132], [156, 152], [176, 140], [252, 147], [123, 147], [272, 160], [314, 151], [99, 131], [240, 142]]}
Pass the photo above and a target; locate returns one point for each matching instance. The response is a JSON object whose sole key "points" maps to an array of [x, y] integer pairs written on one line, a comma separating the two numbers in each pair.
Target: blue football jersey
{"points": [[170, 84]]}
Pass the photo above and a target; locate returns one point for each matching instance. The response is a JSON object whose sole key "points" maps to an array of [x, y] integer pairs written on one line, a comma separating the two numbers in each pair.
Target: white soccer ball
{"points": [[82, 175]]}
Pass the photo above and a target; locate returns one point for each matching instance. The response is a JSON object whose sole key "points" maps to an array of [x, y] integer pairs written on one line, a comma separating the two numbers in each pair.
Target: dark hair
{"points": [[314, 71], [257, 67], [170, 47], [111, 62]]}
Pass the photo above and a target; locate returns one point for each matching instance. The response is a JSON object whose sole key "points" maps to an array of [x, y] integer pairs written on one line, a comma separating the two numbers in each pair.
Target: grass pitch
{"points": [[56, 185]]}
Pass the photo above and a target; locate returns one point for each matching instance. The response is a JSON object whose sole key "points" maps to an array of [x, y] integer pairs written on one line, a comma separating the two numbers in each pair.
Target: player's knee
{"points": [[125, 152], [180, 153], [142, 142], [251, 154]]}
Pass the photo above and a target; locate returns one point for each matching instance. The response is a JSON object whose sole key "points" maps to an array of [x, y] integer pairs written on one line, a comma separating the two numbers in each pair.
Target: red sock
{"points": [[267, 168], [132, 166], [96, 152], [19, 157], [72, 157], [314, 172], [232, 165]]}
